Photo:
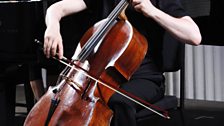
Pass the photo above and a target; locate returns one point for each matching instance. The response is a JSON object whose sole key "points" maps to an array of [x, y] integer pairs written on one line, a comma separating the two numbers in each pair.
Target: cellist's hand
{"points": [[53, 42], [143, 6]]}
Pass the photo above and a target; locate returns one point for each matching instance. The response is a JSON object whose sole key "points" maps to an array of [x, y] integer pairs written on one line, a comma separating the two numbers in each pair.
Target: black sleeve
{"points": [[172, 7], [89, 3], [100, 8], [95, 7]]}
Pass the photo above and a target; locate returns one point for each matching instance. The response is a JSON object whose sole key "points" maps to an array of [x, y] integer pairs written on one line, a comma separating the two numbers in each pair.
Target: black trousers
{"points": [[125, 109]]}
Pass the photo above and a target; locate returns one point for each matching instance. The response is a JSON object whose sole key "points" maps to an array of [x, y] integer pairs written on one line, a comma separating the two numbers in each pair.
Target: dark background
{"points": [[209, 16]]}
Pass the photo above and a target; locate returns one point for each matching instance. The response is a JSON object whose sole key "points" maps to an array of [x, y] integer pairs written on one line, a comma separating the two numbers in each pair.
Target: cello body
{"points": [[82, 101]]}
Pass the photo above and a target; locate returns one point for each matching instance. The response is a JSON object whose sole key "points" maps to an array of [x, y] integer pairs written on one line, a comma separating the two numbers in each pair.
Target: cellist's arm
{"points": [[183, 28], [52, 37]]}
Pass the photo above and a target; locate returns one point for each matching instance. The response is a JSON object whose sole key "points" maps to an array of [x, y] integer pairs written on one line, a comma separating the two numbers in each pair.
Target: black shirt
{"points": [[152, 64]]}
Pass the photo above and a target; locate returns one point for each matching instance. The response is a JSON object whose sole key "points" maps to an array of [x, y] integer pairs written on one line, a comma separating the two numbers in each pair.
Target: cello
{"points": [[100, 64]]}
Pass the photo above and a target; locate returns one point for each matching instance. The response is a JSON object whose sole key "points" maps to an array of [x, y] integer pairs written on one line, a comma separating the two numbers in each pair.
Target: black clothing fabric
{"points": [[148, 81], [125, 109], [35, 72], [141, 91]]}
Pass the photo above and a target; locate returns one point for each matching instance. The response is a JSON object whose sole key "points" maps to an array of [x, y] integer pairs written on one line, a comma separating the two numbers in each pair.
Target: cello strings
{"points": [[165, 115], [98, 35], [64, 60]]}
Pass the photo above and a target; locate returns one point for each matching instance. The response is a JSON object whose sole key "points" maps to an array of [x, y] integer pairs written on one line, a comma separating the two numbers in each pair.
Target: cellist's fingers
{"points": [[143, 6], [47, 46], [53, 49], [135, 2], [60, 50]]}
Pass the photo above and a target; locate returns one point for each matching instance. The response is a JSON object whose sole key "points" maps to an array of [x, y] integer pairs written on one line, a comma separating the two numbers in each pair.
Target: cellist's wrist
{"points": [[151, 12]]}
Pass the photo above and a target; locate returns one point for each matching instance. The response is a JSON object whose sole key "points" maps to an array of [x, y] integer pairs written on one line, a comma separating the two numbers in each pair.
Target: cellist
{"points": [[151, 18]]}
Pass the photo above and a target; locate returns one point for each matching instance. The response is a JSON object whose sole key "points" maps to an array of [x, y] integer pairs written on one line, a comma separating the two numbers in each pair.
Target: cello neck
{"points": [[98, 35], [118, 9]]}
